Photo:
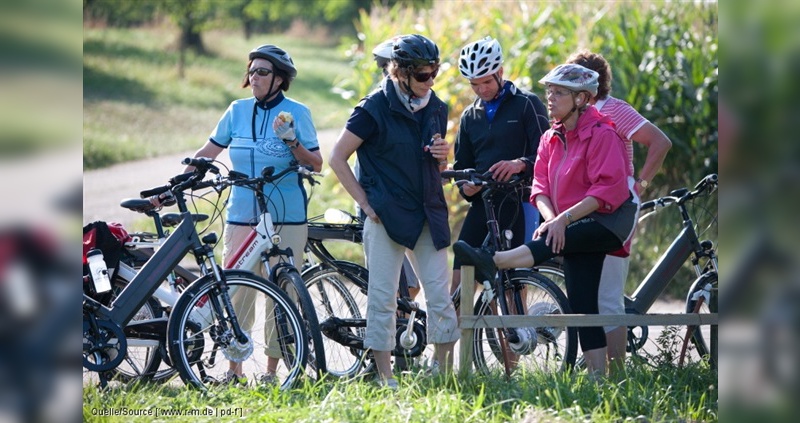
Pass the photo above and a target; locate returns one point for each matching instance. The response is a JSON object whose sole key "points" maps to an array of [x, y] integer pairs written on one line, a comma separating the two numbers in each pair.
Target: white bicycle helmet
{"points": [[480, 58], [574, 77]]}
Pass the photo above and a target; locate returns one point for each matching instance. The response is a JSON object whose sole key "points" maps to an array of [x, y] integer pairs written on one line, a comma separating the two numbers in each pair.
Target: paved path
{"points": [[103, 189]]}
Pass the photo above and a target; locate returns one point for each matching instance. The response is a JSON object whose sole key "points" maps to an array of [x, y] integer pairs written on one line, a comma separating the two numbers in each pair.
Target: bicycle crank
{"points": [[105, 348]]}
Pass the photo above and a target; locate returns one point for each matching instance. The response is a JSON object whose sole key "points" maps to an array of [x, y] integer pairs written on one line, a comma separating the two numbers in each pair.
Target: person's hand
{"points": [[284, 130], [367, 209], [470, 190], [438, 148], [503, 170], [553, 230]]}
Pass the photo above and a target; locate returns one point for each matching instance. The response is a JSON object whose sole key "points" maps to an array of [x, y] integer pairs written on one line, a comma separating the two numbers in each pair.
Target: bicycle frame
{"points": [[259, 239], [685, 245], [148, 279]]}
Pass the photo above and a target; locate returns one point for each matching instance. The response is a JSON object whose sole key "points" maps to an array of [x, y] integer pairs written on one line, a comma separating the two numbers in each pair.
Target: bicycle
{"points": [[144, 357], [702, 296], [340, 289], [516, 292], [203, 323], [262, 245]]}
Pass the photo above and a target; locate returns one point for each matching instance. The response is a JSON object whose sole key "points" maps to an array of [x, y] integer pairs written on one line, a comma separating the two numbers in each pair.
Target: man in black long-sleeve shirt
{"points": [[498, 132]]}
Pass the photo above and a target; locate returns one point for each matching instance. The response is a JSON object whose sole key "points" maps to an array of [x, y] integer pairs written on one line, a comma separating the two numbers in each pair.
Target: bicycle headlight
{"points": [[276, 239]]}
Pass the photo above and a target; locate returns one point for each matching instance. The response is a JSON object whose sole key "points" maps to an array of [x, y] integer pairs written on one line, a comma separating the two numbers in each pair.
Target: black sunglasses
{"points": [[425, 76], [260, 71]]}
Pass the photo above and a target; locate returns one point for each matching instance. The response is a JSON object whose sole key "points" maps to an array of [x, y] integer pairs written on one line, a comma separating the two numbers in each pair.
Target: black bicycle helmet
{"points": [[415, 50], [277, 56]]}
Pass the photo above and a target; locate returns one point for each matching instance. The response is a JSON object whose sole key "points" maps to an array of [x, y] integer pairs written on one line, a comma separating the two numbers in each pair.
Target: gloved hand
{"points": [[284, 130]]}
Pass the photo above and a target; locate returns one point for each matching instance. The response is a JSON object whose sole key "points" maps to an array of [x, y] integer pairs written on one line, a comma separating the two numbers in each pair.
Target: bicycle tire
{"points": [[553, 269], [705, 338], [556, 347], [193, 333], [289, 280], [334, 294]]}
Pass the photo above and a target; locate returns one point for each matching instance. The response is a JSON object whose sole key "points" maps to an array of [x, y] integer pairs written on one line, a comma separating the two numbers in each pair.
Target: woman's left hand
{"points": [[553, 230]]}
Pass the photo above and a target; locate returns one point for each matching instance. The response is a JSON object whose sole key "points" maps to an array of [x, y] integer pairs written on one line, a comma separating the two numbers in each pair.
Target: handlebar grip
{"points": [[647, 205], [201, 163], [175, 180], [457, 175], [155, 191]]}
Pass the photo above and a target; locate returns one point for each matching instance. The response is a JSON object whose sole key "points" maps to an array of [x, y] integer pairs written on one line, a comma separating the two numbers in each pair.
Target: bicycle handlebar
{"points": [[476, 178], [203, 164], [240, 179], [680, 196]]}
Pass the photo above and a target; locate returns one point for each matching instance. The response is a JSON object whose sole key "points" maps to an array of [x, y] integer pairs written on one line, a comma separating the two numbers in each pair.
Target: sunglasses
{"points": [[425, 76], [260, 71]]}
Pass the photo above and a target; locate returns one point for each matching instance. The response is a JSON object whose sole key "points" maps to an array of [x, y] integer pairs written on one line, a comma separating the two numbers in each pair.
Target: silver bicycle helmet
{"points": [[382, 53], [574, 77], [277, 56], [480, 58]]}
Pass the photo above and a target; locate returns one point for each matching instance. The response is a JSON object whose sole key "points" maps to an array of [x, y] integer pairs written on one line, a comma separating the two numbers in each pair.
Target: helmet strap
{"points": [[499, 84]]}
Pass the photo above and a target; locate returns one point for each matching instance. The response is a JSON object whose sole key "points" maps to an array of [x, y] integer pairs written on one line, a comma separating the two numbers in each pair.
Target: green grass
{"points": [[136, 106], [666, 394]]}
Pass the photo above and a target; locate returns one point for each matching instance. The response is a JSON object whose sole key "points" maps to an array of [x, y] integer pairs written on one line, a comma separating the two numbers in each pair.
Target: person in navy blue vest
{"points": [[398, 132]]}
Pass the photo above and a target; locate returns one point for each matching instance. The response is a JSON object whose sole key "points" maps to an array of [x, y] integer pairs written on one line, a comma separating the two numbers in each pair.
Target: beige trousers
{"points": [[384, 260]]}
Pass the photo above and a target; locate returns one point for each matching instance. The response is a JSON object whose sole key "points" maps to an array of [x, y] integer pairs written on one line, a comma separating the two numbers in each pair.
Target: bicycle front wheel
{"points": [[546, 349], [202, 342], [703, 298], [292, 283]]}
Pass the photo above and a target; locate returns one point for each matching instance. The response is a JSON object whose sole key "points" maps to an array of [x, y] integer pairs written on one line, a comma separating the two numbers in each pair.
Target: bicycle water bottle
{"points": [[98, 270], [337, 216]]}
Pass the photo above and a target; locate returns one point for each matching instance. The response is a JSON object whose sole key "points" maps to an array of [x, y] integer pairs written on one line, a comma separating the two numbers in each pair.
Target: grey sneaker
{"points": [[388, 383], [266, 379]]}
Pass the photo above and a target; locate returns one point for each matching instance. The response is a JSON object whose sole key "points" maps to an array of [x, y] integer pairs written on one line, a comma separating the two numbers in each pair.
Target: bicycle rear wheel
{"points": [[547, 348], [201, 340], [337, 294], [704, 338]]}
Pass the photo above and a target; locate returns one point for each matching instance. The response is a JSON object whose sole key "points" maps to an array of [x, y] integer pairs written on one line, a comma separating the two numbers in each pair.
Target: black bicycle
{"points": [[702, 296], [516, 292], [339, 291], [203, 329]]}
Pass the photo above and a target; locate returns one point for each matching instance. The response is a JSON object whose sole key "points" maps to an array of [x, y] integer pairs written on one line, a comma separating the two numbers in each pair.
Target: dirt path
{"points": [[103, 189]]}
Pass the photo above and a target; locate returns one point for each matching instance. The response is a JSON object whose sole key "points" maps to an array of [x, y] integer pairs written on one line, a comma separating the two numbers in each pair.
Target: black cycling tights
{"points": [[586, 245]]}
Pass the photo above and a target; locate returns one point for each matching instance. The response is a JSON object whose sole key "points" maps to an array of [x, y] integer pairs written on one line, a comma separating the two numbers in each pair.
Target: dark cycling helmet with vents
{"points": [[415, 50], [277, 56]]}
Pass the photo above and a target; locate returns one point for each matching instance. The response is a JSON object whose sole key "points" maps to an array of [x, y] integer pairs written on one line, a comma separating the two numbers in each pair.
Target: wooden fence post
{"points": [[467, 294]]}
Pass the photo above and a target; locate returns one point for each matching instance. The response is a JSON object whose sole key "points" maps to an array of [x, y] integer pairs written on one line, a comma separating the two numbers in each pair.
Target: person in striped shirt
{"points": [[631, 126]]}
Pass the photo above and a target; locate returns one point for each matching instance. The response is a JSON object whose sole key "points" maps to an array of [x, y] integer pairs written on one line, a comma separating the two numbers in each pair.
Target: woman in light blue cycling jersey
{"points": [[255, 138]]}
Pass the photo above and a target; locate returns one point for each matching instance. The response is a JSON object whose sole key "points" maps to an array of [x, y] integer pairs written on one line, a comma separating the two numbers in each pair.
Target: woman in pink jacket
{"points": [[583, 189]]}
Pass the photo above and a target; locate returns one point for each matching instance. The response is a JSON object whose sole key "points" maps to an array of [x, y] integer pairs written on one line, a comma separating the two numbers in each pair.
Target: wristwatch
{"points": [[643, 182], [292, 143]]}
